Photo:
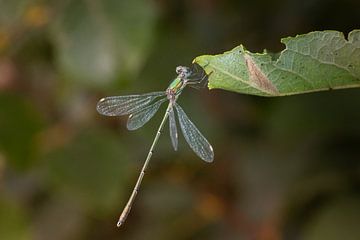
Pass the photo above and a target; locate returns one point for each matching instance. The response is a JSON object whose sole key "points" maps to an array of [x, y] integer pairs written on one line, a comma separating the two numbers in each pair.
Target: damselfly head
{"points": [[183, 72]]}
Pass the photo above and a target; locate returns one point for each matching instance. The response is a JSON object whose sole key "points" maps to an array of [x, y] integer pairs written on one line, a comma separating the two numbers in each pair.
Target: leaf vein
{"points": [[239, 79], [322, 62]]}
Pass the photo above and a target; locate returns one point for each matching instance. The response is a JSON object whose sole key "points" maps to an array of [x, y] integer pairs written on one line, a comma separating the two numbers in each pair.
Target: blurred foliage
{"points": [[13, 224], [337, 220], [97, 186], [19, 146], [284, 168], [110, 37]]}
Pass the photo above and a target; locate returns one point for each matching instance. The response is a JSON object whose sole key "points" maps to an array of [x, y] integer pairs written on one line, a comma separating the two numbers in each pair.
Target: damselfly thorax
{"points": [[178, 84]]}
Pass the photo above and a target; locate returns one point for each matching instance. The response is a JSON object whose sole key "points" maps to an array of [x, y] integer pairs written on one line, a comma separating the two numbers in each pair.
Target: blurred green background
{"points": [[285, 168]]}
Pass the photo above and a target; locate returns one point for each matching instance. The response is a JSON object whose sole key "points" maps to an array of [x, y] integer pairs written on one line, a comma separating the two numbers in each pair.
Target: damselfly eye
{"points": [[183, 72], [179, 69]]}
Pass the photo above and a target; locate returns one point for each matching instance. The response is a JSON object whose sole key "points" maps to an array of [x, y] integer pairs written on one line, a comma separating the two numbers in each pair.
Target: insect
{"points": [[141, 108]]}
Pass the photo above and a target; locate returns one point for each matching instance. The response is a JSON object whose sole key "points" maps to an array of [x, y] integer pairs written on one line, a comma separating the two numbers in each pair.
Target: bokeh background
{"points": [[285, 168]]}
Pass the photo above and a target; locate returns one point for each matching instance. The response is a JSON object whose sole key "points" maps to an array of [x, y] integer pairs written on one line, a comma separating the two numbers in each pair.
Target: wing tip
{"points": [[211, 157], [98, 105], [209, 160], [101, 101]]}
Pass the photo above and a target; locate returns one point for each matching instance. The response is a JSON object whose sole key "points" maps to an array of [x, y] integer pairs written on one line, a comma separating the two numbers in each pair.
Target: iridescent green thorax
{"points": [[176, 85], [174, 89]]}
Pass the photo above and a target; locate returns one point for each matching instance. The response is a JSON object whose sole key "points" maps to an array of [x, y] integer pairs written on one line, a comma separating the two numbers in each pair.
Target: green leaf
{"points": [[311, 62]]}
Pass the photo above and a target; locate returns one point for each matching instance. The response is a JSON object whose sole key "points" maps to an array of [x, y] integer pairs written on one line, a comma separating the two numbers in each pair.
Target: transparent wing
{"points": [[173, 129], [195, 139], [138, 119], [123, 105]]}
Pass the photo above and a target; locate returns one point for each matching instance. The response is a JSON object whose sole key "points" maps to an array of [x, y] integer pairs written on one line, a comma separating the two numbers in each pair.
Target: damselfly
{"points": [[143, 107]]}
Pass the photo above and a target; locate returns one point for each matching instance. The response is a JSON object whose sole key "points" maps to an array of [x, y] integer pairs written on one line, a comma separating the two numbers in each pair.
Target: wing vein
{"points": [[193, 136], [123, 105]]}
